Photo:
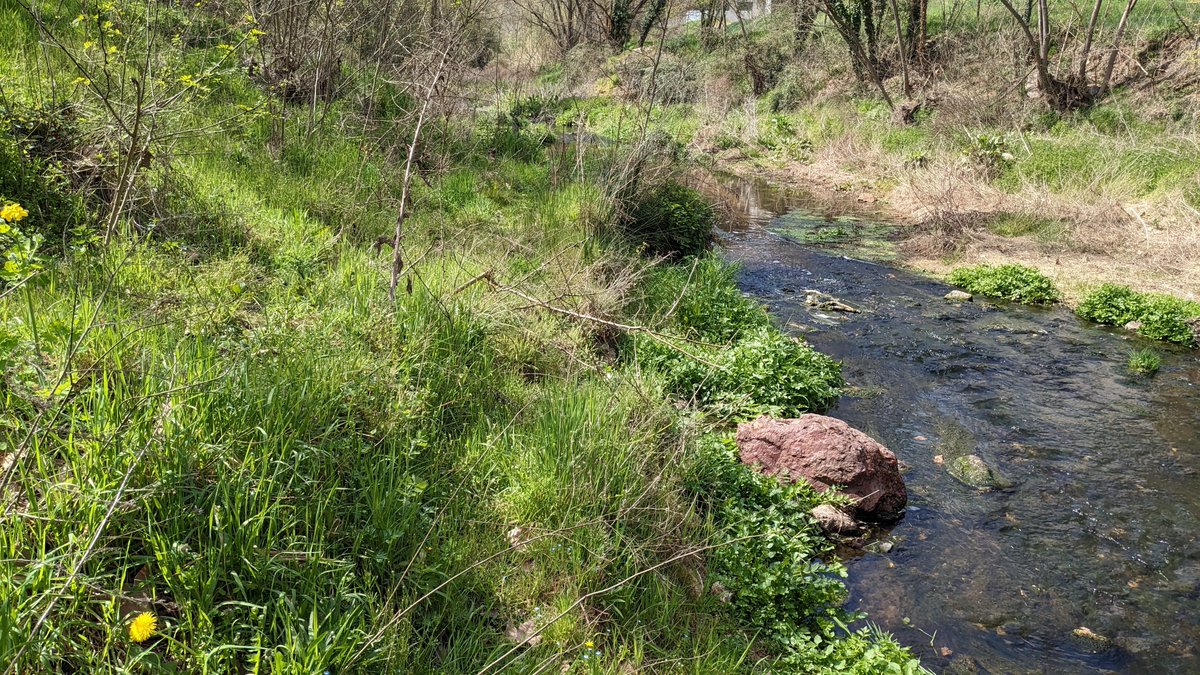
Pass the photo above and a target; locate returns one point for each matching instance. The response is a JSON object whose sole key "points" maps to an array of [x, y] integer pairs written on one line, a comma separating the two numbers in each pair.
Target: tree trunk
{"points": [[1116, 47]]}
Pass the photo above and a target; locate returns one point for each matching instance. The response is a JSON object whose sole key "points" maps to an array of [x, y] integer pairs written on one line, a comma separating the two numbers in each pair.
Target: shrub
{"points": [[1144, 362], [671, 219], [1161, 317], [1009, 282]]}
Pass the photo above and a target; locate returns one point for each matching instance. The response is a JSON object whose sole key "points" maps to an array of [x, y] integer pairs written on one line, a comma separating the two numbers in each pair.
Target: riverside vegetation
{"points": [[940, 116], [225, 449]]}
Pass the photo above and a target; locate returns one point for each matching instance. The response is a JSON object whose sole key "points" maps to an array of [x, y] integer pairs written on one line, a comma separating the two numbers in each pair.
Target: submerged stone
{"points": [[958, 296], [834, 520], [974, 471]]}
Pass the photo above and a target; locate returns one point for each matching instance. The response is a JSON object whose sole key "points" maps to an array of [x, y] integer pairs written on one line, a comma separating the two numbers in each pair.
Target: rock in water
{"points": [[972, 470], [958, 296], [825, 452], [834, 520]]}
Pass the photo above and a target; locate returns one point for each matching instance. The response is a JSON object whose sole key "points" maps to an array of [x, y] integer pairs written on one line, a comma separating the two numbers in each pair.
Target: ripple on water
{"points": [[1101, 526]]}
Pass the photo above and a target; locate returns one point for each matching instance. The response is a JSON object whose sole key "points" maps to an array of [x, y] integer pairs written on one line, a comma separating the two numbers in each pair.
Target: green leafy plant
{"points": [[1144, 362], [729, 359], [670, 219], [1018, 283], [1156, 316], [772, 570], [990, 153]]}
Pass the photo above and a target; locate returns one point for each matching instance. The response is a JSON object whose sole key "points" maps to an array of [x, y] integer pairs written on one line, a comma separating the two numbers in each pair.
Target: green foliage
{"points": [[1112, 304], [1144, 362], [763, 372], [670, 219], [30, 175], [1018, 283], [730, 360], [990, 153], [1161, 317], [17, 249], [703, 300], [771, 565]]}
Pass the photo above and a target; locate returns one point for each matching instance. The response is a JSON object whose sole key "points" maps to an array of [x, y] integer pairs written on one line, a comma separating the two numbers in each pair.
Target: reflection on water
{"points": [[1100, 527]]}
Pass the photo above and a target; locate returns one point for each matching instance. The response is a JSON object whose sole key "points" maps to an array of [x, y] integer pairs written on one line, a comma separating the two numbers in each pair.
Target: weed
{"points": [[772, 570], [749, 367], [1008, 282], [1144, 362]]}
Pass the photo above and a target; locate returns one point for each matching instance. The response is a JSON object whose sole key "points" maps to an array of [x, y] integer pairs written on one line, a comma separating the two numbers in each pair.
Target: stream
{"points": [[1100, 527]]}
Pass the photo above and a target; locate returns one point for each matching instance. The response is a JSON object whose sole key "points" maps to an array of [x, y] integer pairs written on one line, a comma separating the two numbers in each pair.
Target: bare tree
{"points": [[1075, 90]]}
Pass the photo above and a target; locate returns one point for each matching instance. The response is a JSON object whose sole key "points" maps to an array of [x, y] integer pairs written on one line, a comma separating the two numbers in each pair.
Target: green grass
{"points": [[1144, 362], [1043, 229], [219, 418], [1017, 283]]}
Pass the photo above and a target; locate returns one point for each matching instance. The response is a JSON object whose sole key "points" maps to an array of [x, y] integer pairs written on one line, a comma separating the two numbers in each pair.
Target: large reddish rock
{"points": [[825, 451]]}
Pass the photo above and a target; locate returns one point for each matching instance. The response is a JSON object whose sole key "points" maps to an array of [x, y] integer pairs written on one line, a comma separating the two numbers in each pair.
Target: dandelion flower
{"points": [[13, 213], [142, 627], [589, 644]]}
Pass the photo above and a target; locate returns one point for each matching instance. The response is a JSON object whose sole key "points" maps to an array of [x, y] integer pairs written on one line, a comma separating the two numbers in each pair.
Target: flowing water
{"points": [[1100, 527]]}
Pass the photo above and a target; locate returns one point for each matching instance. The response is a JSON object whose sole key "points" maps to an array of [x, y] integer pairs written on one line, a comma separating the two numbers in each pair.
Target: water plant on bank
{"points": [[1018, 283], [1154, 315]]}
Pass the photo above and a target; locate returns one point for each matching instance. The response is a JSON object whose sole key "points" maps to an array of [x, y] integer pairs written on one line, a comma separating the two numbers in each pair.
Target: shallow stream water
{"points": [[1101, 527]]}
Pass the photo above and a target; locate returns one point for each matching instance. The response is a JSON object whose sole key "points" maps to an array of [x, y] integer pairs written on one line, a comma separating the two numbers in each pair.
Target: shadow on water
{"points": [[1100, 527]]}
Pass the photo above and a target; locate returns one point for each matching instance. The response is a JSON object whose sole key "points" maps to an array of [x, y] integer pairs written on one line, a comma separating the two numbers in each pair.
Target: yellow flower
{"points": [[142, 627], [589, 644], [4, 228], [13, 213]]}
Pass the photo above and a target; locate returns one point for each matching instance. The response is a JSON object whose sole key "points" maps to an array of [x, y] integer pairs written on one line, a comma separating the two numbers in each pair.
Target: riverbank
{"points": [[973, 160], [1074, 565], [307, 384], [949, 218]]}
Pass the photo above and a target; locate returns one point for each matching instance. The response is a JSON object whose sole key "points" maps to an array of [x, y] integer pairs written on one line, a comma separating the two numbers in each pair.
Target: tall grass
{"points": [[219, 419]]}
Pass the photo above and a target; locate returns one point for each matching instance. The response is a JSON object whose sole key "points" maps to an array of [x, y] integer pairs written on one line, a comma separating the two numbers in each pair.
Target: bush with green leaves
{"points": [[1161, 317], [671, 219], [1018, 283], [771, 565]]}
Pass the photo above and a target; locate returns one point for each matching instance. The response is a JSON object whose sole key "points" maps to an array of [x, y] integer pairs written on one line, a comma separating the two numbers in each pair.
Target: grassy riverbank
{"points": [[224, 448]]}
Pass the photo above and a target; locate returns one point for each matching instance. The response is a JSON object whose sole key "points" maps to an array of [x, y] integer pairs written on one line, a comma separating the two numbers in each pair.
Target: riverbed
{"points": [[1090, 561]]}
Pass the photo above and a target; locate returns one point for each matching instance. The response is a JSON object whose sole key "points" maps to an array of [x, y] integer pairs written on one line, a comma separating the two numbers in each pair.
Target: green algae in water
{"points": [[846, 235]]}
